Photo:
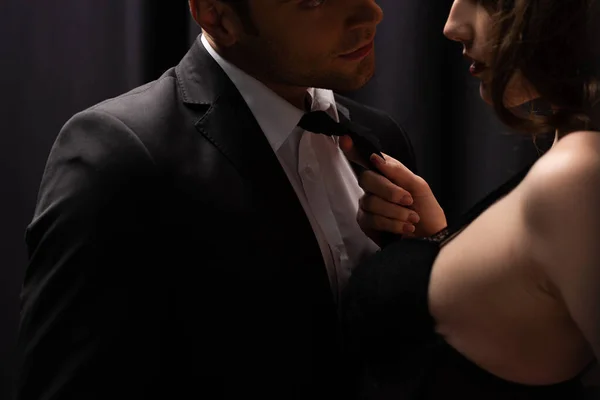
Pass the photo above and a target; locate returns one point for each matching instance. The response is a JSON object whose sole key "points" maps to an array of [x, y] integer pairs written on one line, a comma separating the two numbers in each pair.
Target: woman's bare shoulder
{"points": [[560, 200], [572, 163]]}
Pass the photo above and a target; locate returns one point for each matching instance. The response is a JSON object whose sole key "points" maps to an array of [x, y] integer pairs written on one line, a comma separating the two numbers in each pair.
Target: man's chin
{"points": [[352, 75], [355, 84], [352, 82]]}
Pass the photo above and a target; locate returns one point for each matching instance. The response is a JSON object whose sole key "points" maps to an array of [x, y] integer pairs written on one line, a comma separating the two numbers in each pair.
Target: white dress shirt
{"points": [[316, 167]]}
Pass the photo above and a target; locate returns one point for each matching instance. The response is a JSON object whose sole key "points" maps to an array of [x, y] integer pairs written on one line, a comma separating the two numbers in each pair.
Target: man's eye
{"points": [[313, 3]]}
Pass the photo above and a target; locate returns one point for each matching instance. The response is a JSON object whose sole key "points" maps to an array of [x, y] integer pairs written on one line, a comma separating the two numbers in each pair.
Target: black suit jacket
{"points": [[170, 257]]}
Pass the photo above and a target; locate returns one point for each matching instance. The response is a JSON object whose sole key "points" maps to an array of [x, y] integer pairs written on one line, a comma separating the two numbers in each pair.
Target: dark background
{"points": [[56, 60]]}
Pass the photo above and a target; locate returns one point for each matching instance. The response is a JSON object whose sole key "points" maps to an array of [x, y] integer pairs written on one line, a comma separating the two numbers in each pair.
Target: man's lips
{"points": [[359, 53]]}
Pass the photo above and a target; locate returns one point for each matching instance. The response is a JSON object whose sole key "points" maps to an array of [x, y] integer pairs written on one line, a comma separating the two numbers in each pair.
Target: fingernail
{"points": [[407, 200], [414, 218], [377, 160], [408, 228]]}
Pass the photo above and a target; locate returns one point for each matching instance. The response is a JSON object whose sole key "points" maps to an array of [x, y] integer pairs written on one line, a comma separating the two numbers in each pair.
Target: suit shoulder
{"points": [[150, 114], [144, 104]]}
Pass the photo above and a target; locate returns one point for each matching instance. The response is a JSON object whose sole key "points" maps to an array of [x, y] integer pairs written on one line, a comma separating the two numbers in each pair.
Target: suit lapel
{"points": [[224, 119], [342, 110], [358, 169]]}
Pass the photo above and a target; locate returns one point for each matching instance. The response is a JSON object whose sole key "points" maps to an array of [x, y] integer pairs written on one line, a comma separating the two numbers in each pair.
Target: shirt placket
{"points": [[318, 199]]}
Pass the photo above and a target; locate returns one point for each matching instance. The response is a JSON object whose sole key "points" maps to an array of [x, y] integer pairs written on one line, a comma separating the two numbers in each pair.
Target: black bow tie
{"points": [[364, 141]]}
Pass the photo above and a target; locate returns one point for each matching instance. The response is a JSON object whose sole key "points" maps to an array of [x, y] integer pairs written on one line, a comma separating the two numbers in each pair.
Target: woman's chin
{"points": [[484, 93]]}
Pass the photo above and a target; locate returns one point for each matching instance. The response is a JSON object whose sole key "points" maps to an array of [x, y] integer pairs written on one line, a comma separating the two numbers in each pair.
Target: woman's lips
{"points": [[477, 68]]}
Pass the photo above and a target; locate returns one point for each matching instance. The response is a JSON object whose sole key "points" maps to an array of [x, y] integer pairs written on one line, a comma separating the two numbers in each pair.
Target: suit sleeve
{"points": [[88, 314]]}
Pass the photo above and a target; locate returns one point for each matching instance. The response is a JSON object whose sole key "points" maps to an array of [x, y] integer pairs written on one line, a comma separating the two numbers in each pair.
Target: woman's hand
{"points": [[396, 200]]}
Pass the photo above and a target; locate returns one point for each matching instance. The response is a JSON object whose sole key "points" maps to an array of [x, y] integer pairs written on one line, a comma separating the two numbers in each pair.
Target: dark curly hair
{"points": [[547, 40]]}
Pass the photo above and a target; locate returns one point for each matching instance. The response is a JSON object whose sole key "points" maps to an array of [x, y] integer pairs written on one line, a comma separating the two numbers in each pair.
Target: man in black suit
{"points": [[190, 241]]}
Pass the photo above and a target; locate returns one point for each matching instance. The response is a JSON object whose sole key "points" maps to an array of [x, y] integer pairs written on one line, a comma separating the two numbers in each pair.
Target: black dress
{"points": [[392, 349]]}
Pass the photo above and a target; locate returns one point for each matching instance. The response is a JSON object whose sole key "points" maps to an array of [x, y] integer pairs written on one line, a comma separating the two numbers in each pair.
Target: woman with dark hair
{"points": [[505, 304]]}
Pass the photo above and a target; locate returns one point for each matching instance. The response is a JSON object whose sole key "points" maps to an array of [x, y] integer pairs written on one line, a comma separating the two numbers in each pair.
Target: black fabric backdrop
{"points": [[56, 60]]}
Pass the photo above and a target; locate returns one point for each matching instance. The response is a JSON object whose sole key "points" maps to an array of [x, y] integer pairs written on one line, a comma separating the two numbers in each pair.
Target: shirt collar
{"points": [[276, 117]]}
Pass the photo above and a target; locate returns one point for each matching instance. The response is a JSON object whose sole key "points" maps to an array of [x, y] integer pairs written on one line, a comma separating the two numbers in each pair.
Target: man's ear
{"points": [[193, 9], [218, 20]]}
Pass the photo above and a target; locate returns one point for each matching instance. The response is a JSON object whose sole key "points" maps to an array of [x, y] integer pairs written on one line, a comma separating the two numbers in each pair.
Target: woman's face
{"points": [[470, 23]]}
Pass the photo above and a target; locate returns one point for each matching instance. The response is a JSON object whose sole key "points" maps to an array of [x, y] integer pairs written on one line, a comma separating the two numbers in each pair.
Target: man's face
{"points": [[311, 43]]}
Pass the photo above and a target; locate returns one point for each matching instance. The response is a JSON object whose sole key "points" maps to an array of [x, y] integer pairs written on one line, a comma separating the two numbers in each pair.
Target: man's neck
{"points": [[296, 96]]}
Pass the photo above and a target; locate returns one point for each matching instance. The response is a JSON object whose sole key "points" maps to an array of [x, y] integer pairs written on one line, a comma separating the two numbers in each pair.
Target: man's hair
{"points": [[547, 40]]}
